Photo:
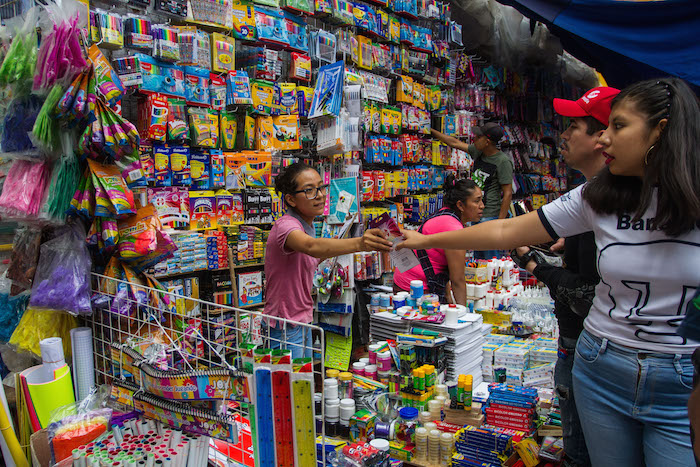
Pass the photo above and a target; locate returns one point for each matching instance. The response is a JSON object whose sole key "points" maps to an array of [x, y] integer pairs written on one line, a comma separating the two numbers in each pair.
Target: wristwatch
{"points": [[522, 261]]}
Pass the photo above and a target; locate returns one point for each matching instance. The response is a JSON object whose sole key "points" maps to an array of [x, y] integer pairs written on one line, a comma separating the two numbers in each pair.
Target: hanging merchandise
{"points": [[17, 126], [142, 241], [46, 128], [223, 53], [23, 189], [329, 91], [60, 57], [137, 32], [62, 280], [65, 177], [165, 43], [23, 261], [17, 69]]}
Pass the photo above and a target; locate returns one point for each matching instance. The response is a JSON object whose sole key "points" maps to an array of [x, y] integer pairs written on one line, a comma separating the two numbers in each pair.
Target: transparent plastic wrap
{"points": [[25, 255], [60, 57], [17, 69], [512, 33], [36, 325], [64, 182], [62, 280], [478, 23], [11, 309], [77, 430], [23, 190], [17, 124]]}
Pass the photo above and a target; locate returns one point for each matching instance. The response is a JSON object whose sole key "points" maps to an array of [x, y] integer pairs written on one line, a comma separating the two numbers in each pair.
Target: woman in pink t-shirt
{"points": [[463, 203], [293, 252]]}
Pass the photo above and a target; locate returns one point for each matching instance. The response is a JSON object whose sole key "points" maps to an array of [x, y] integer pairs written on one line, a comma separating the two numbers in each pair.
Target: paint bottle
{"points": [[384, 361], [345, 385], [416, 289]]}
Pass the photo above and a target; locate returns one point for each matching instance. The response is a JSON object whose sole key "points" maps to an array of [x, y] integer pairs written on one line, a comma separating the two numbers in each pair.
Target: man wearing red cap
{"points": [[573, 287]]}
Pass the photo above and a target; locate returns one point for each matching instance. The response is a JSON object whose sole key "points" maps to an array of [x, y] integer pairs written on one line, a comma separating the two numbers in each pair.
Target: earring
{"points": [[646, 156]]}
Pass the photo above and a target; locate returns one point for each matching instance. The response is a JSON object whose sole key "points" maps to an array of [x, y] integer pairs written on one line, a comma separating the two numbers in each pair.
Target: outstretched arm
{"points": [[373, 239], [450, 140], [499, 234]]}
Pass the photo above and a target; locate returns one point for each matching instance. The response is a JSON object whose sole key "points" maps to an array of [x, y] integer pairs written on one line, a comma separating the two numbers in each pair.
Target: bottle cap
{"points": [[331, 373], [381, 445], [408, 413], [345, 376]]}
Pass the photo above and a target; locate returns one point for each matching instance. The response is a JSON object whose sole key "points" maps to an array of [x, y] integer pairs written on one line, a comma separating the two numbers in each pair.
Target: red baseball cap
{"points": [[594, 103]]}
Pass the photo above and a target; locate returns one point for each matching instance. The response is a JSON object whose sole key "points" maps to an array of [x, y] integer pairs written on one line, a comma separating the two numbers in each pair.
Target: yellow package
{"points": [[404, 89], [243, 20], [364, 59], [394, 29], [249, 132], [419, 95], [257, 170], [264, 132], [287, 98], [528, 450], [286, 132], [263, 94], [233, 170], [223, 53], [433, 98]]}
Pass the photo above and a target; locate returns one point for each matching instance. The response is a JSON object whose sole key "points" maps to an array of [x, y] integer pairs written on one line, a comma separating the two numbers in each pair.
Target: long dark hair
{"points": [[457, 190], [286, 181], [673, 168]]}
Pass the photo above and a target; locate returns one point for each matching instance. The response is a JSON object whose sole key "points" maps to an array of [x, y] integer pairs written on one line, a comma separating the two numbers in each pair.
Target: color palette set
{"points": [[144, 443]]}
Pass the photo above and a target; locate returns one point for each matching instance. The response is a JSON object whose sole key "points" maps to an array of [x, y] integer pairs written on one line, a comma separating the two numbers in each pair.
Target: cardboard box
{"points": [[362, 426]]}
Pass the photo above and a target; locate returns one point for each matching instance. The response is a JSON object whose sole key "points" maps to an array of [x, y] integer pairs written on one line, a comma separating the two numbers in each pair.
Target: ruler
{"points": [[263, 410], [305, 425], [284, 432]]}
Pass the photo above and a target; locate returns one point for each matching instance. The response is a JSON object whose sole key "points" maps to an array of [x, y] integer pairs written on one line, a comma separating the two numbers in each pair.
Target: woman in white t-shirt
{"points": [[632, 372]]}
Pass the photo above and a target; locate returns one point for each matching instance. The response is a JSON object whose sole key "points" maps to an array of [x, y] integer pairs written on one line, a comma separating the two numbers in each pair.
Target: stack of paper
{"points": [[464, 345], [385, 326]]}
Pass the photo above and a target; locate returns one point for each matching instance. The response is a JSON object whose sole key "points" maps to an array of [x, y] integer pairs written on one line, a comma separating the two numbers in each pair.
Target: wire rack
{"points": [[192, 334]]}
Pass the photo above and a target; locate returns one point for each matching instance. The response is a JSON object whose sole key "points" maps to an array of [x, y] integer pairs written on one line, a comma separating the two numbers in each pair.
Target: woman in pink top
{"points": [[293, 252], [463, 203]]}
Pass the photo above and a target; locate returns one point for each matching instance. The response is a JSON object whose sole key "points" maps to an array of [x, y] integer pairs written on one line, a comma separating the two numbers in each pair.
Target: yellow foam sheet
{"points": [[49, 392]]}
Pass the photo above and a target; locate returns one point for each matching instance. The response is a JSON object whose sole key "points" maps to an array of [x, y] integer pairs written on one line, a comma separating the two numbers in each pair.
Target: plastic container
{"points": [[373, 353], [408, 422], [384, 361], [371, 372], [331, 373], [380, 445], [332, 409], [446, 447], [441, 390], [318, 403], [365, 360], [347, 409], [385, 300], [416, 289], [430, 426], [330, 388], [358, 368], [345, 385]]}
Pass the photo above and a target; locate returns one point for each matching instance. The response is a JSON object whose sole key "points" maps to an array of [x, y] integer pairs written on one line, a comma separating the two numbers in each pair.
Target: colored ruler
{"points": [[263, 410], [284, 432], [305, 426]]}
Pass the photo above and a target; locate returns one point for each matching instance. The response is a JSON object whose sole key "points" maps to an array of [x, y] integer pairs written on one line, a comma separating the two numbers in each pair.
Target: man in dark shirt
{"points": [[573, 286]]}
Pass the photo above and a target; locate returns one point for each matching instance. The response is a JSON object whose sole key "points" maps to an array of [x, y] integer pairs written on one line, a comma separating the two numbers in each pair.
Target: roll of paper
{"points": [[83, 362], [52, 355]]}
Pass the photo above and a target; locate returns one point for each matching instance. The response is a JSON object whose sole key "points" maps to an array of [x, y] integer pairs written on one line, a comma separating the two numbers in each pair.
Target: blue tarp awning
{"points": [[625, 40]]}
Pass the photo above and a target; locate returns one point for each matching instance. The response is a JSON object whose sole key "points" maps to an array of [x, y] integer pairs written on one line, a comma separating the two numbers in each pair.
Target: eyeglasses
{"points": [[312, 193]]}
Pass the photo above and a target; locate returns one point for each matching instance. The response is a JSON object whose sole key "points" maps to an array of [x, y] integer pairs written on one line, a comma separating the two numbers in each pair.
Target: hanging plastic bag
{"points": [[62, 280], [45, 132], [25, 255], [36, 325], [17, 125], [64, 182], [11, 309], [17, 69], [60, 56], [142, 241], [23, 190]]}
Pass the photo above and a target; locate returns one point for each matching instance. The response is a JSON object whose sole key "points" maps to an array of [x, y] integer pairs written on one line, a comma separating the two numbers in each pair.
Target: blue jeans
{"points": [[574, 442], [632, 404], [487, 254], [297, 339]]}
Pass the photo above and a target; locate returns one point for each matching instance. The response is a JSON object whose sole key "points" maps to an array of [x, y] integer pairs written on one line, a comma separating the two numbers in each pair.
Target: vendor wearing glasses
{"points": [[293, 252]]}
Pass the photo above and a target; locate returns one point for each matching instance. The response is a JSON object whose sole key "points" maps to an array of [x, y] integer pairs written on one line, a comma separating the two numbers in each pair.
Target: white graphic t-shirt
{"points": [[647, 277]]}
